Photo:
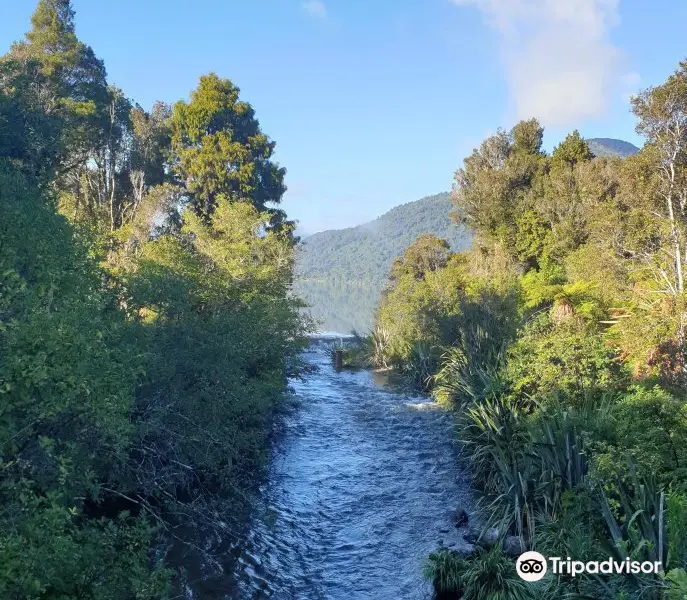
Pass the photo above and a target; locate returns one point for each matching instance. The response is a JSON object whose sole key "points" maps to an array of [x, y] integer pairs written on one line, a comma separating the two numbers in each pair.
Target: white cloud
{"points": [[560, 64], [631, 85], [631, 79], [315, 8]]}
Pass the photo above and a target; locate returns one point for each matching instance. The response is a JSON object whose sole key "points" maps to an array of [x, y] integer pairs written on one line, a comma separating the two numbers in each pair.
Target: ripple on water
{"points": [[359, 488]]}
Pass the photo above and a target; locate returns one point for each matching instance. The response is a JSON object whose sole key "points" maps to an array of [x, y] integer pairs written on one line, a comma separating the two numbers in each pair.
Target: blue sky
{"points": [[376, 102]]}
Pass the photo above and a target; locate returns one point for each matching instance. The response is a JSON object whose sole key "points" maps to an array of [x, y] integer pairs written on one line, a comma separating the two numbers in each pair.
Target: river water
{"points": [[361, 485]]}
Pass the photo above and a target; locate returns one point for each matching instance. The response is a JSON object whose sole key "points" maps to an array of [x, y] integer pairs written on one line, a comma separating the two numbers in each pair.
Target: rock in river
{"points": [[460, 517], [512, 545]]}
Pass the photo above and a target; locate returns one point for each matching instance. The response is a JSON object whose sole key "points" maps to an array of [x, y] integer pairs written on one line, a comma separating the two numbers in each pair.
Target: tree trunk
{"points": [[674, 230]]}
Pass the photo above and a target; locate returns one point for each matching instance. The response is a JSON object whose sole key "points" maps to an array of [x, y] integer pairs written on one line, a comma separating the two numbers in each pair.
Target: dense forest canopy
{"points": [[341, 273], [365, 252], [146, 320]]}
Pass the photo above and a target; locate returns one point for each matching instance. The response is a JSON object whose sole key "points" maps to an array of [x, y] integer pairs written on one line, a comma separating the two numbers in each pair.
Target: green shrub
{"points": [[69, 365], [569, 361], [490, 575], [650, 426]]}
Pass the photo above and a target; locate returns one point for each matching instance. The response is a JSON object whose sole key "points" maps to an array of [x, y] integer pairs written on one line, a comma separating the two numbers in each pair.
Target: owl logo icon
{"points": [[531, 566]]}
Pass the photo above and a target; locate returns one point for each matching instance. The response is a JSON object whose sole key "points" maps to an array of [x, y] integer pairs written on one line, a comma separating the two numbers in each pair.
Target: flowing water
{"points": [[360, 488]]}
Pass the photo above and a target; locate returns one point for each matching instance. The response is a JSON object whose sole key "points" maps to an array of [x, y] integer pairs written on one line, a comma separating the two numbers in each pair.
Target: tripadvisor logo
{"points": [[532, 566]]}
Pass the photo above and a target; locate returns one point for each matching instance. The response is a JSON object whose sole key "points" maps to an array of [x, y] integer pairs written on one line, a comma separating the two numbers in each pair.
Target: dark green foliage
{"points": [[527, 137], [219, 149], [650, 425], [137, 393], [570, 360], [63, 341], [489, 576], [49, 554], [571, 151], [427, 254], [29, 136], [676, 525], [220, 333], [367, 251], [71, 83], [445, 311], [67, 378], [576, 289]]}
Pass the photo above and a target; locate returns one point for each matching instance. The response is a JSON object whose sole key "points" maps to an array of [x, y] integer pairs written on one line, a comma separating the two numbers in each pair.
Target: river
{"points": [[360, 489]]}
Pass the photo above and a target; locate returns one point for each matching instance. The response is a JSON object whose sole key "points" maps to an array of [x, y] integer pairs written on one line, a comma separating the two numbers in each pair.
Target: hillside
{"points": [[365, 252], [611, 147], [341, 272]]}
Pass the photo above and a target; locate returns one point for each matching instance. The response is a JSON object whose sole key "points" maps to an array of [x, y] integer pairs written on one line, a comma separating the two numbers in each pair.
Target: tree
{"points": [[218, 150], [73, 85], [138, 392], [150, 144], [566, 191], [427, 254], [662, 114], [571, 151], [493, 189], [527, 137], [106, 182], [29, 136], [480, 190]]}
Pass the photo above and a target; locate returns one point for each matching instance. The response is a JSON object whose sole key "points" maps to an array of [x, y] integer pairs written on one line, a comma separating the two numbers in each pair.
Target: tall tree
{"points": [[29, 136], [428, 253], [662, 114], [527, 137], [74, 82], [150, 143], [219, 150], [565, 193], [491, 188]]}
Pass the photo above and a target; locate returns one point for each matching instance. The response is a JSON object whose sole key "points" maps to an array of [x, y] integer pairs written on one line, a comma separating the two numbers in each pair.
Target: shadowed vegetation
{"points": [[146, 323]]}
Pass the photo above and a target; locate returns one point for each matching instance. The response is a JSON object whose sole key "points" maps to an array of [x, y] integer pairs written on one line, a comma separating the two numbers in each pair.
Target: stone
{"points": [[489, 537], [460, 517], [485, 538], [456, 543], [471, 535], [512, 545], [466, 549]]}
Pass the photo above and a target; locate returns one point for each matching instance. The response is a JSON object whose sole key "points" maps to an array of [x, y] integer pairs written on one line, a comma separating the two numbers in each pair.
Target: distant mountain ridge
{"points": [[611, 147], [367, 251], [341, 272]]}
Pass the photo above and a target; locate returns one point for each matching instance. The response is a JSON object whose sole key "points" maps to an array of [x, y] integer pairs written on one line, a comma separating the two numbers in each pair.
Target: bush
{"points": [[490, 575], [569, 361], [69, 365], [650, 427]]}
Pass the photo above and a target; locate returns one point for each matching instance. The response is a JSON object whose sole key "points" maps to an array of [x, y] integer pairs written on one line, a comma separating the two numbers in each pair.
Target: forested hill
{"points": [[366, 252], [611, 147], [341, 272]]}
